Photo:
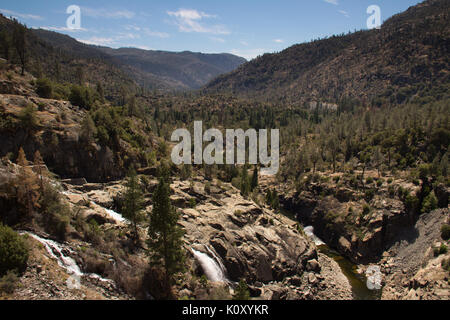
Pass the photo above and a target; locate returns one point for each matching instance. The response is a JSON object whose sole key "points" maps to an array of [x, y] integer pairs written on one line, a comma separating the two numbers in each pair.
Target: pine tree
{"points": [[27, 187], [5, 44], [88, 130], [165, 236], [245, 185], [100, 91], [242, 292], [133, 203], [254, 183], [40, 165], [275, 200], [314, 157], [19, 40], [269, 197]]}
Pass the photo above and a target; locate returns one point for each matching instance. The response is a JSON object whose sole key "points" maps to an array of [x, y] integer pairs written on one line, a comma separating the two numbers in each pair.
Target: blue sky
{"points": [[246, 28]]}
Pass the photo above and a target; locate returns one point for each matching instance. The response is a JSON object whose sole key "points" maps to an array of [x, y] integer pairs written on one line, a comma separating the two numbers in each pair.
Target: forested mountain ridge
{"points": [[70, 62], [61, 58], [407, 56], [173, 70], [153, 69]]}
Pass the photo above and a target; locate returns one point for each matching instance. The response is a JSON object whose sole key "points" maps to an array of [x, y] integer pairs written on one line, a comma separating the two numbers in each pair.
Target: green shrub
{"points": [[28, 118], [369, 194], [369, 180], [446, 264], [242, 292], [379, 183], [81, 97], [55, 212], [44, 88], [208, 187], [8, 282], [412, 203], [13, 251], [445, 231], [366, 209], [440, 250], [430, 203], [391, 190]]}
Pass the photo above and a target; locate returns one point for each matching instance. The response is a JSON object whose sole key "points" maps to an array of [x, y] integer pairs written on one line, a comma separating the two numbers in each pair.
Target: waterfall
{"points": [[116, 216], [59, 253], [309, 231], [55, 250], [213, 267]]}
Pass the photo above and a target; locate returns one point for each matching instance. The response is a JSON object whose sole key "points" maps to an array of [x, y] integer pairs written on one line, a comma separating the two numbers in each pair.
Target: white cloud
{"points": [[216, 39], [335, 2], [138, 47], [20, 15], [132, 27], [278, 40], [110, 41], [98, 41], [158, 34], [147, 31], [249, 54], [244, 43], [61, 29], [105, 13], [190, 20], [345, 13]]}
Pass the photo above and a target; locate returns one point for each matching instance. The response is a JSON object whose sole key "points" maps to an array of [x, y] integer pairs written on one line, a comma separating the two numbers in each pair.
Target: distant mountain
{"points": [[176, 70], [407, 56], [152, 69]]}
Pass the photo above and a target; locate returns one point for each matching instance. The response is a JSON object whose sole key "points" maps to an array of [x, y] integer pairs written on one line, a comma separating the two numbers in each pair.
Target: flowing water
{"points": [[357, 281], [61, 254], [212, 266]]}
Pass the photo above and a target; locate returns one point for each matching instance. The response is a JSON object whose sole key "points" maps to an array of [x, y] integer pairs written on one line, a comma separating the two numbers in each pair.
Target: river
{"points": [[349, 269]]}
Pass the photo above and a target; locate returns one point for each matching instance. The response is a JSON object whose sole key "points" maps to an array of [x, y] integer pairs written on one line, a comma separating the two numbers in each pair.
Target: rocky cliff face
{"points": [[359, 228], [414, 267], [250, 241], [57, 135]]}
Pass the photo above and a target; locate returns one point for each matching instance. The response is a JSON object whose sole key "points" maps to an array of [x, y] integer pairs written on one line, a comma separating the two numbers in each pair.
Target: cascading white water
{"points": [[64, 261], [56, 251], [213, 267], [309, 231], [116, 216]]}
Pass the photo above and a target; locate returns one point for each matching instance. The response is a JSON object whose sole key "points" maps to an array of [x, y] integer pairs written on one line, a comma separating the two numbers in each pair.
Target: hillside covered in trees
{"points": [[409, 55], [86, 170]]}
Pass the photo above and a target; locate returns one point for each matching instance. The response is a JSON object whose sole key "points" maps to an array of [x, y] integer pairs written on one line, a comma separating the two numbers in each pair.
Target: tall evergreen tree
{"points": [[133, 203], [40, 169], [19, 40], [27, 187], [245, 185], [165, 236], [254, 183]]}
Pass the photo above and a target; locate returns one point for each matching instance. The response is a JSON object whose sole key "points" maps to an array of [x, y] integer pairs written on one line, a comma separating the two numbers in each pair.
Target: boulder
{"points": [[313, 265]]}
